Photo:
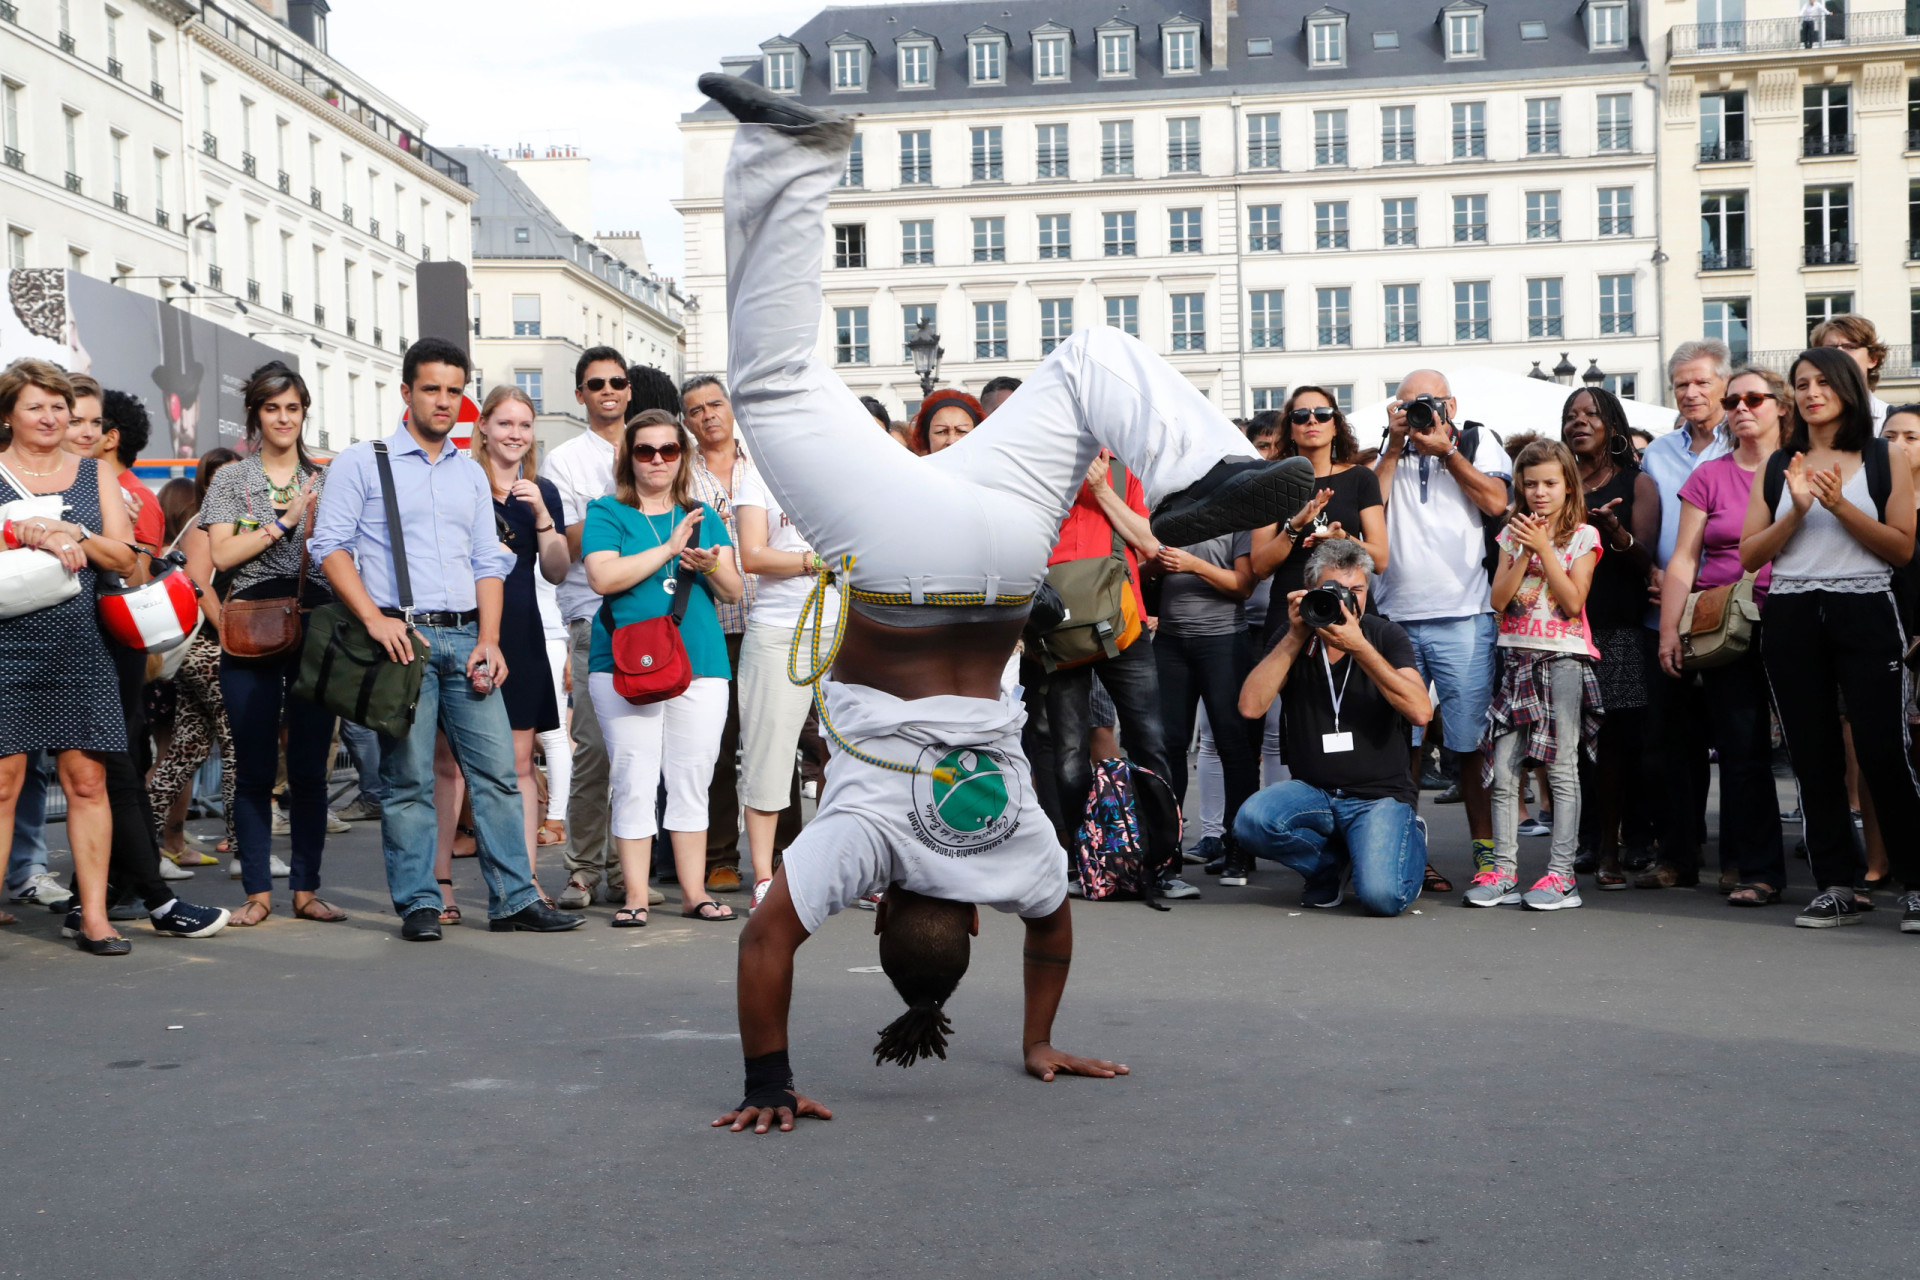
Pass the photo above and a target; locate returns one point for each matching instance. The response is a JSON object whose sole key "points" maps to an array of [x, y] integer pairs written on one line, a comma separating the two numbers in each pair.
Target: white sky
{"points": [[610, 78]]}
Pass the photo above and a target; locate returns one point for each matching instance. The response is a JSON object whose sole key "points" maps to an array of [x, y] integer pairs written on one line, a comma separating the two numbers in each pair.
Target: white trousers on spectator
{"points": [[678, 739], [979, 517], [773, 711], [557, 744], [1212, 779]]}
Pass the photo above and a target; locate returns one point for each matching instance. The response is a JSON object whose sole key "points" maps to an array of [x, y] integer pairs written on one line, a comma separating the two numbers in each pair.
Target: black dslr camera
{"points": [[1328, 604], [1423, 411]]}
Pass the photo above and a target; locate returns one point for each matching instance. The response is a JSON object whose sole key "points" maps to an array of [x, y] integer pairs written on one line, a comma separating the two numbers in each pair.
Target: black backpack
{"points": [[1877, 458]]}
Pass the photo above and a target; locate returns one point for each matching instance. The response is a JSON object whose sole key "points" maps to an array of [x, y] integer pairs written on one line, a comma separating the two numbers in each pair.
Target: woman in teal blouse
{"points": [[635, 541]]}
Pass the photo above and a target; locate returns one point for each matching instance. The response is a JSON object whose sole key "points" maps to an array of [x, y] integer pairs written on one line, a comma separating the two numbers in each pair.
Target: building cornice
{"points": [[573, 271]]}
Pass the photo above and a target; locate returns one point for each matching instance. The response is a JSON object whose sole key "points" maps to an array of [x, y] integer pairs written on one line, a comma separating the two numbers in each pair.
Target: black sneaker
{"points": [[1451, 795], [1322, 895], [1831, 908], [1910, 912], [536, 917], [185, 920], [1206, 852], [750, 103], [126, 909], [1238, 866], [1586, 861], [1237, 495], [421, 925]]}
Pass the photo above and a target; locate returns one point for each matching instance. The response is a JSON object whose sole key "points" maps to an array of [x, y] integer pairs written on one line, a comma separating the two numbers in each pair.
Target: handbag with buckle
{"points": [[31, 579], [1717, 625], [260, 630], [650, 662]]}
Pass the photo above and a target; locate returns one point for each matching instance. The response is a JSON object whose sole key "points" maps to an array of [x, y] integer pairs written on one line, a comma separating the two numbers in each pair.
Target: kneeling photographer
{"points": [[1348, 692]]}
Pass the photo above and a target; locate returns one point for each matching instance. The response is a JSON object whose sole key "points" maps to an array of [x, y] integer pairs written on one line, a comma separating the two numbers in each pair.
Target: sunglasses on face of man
{"points": [[596, 384]]}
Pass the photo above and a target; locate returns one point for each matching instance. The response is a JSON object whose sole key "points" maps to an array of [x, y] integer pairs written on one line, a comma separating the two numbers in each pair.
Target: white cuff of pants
{"points": [[678, 739]]}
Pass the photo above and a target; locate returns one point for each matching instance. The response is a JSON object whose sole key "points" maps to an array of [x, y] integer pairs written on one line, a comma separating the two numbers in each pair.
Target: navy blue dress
{"points": [[528, 691]]}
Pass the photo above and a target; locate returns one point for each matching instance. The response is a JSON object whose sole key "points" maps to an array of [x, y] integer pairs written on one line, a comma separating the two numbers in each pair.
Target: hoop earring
{"points": [[1619, 447]]}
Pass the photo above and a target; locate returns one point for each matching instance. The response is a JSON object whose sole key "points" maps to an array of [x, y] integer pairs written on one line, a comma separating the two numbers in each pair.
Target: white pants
{"points": [[979, 517], [557, 744], [678, 738], [773, 711]]}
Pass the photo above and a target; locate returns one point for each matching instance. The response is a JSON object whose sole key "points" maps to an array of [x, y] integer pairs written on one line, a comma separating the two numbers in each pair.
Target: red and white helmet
{"points": [[154, 617]]}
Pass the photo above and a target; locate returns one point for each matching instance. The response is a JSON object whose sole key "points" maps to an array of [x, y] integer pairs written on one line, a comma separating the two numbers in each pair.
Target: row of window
{"points": [[1730, 319], [1826, 122], [1119, 231], [1472, 318], [1052, 159], [1726, 240], [989, 53]]}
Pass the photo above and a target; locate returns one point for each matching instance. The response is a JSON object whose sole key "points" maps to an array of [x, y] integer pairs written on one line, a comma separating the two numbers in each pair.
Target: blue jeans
{"points": [[1304, 827], [28, 856], [363, 744], [258, 697], [1456, 655], [482, 740]]}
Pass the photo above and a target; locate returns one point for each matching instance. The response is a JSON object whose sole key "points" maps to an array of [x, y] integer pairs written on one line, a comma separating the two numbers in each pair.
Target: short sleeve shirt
{"points": [[149, 522], [1437, 538], [581, 470], [1533, 618], [240, 496], [1191, 606], [614, 526], [1376, 768], [778, 602], [1722, 489]]}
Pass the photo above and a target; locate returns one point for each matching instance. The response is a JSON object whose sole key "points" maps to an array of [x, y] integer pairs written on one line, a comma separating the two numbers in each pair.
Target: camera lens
{"points": [[1420, 414]]}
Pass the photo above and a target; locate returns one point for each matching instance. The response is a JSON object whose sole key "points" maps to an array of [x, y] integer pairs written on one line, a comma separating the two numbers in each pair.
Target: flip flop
{"points": [[720, 912], [630, 918], [327, 913]]}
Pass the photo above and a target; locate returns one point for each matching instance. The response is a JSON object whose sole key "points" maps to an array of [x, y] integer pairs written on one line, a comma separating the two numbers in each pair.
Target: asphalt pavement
{"points": [[1655, 1085]]}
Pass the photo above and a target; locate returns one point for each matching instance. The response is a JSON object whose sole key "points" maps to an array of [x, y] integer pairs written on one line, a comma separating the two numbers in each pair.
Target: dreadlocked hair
{"points": [[925, 944]]}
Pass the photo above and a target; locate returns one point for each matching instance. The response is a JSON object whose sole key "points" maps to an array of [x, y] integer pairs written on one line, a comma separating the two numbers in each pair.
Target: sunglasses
{"points": [[664, 452], [1300, 417], [1752, 399], [595, 384]]}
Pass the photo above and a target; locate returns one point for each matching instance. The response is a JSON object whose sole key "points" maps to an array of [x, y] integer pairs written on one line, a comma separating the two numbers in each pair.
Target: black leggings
{"points": [[1818, 646], [1208, 670]]}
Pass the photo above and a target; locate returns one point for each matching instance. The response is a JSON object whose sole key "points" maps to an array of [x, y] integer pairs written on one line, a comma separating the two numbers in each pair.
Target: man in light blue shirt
{"points": [[456, 569], [1697, 373]]}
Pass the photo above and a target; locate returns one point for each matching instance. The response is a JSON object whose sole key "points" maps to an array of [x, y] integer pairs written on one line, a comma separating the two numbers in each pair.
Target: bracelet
{"points": [[544, 528], [708, 570], [1298, 535]]}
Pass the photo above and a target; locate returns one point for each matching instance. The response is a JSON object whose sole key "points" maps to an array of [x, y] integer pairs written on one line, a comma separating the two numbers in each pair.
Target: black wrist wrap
{"points": [[769, 1082]]}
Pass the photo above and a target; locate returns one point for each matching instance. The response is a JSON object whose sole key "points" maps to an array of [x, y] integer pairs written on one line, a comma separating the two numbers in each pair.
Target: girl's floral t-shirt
{"points": [[1533, 618]]}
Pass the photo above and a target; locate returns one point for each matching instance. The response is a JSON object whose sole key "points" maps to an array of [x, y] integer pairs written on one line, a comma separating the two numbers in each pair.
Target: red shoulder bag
{"points": [[650, 662]]}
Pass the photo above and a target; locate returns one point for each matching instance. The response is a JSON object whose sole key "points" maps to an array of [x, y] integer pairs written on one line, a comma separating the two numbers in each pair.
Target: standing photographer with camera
{"points": [[1346, 722], [1436, 585]]}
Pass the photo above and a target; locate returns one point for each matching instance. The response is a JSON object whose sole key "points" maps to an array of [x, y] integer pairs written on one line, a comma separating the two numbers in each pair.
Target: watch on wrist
{"points": [[85, 533]]}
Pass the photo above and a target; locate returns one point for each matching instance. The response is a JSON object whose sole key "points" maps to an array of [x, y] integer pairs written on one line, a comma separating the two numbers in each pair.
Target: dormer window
{"points": [[1052, 49], [1260, 46], [1465, 23], [1533, 30], [987, 57], [917, 54], [782, 61], [1116, 52], [1327, 38], [852, 57], [1606, 25], [1180, 47]]}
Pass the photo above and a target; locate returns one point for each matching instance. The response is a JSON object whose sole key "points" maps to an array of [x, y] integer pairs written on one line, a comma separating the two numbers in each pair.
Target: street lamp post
{"points": [[1594, 376], [926, 350], [1540, 373], [1564, 371]]}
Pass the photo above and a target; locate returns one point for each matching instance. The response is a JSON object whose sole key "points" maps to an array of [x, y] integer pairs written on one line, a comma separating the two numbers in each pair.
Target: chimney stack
{"points": [[1223, 10]]}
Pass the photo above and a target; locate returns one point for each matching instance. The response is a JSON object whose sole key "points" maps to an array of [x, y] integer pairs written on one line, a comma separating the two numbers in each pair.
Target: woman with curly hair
{"points": [[944, 418]]}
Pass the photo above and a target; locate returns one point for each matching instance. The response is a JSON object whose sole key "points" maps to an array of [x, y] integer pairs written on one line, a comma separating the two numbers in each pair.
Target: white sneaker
{"points": [[169, 871], [869, 903], [275, 866], [282, 825], [44, 888], [760, 891], [336, 825]]}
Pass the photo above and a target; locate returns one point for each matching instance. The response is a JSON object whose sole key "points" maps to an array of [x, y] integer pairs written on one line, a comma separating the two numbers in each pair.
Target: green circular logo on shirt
{"points": [[969, 790], [966, 800]]}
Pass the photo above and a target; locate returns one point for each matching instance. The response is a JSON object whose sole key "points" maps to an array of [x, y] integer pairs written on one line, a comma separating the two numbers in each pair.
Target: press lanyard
{"points": [[1336, 741]]}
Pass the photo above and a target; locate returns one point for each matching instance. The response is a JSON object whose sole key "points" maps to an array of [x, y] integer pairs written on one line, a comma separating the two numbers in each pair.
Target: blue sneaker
{"points": [[186, 920]]}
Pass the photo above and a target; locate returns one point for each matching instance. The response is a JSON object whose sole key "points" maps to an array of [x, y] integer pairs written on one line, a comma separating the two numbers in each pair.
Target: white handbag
{"points": [[30, 579]]}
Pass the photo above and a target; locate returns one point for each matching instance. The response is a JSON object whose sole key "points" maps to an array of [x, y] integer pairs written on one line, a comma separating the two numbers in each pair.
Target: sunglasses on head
{"points": [[1752, 399], [1300, 417], [595, 384], [665, 452]]}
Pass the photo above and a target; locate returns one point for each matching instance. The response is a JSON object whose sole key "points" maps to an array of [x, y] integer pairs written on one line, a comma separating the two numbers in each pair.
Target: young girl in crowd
{"points": [[1546, 706], [1831, 628]]}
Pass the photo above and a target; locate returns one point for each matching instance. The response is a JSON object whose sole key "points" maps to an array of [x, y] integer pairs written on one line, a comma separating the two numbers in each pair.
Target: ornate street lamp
{"points": [[1540, 373], [1564, 371], [926, 349], [1593, 377]]}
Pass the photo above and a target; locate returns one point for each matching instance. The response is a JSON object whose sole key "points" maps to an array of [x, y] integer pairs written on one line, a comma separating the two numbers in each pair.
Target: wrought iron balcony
{"points": [[1402, 235], [8, 13], [286, 304], [314, 197], [1727, 152], [15, 158], [1832, 144], [352, 326], [377, 335], [1472, 330], [1829, 255], [399, 239], [1781, 35], [157, 91], [346, 214], [115, 70], [210, 145], [1336, 335], [319, 315], [66, 42], [161, 218], [253, 291], [248, 165], [373, 227], [1726, 260], [73, 182], [120, 201], [284, 181], [216, 277]]}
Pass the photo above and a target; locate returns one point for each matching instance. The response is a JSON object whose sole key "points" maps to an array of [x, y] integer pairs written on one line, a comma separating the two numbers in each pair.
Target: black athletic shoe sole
{"points": [[750, 103], [1249, 501]]}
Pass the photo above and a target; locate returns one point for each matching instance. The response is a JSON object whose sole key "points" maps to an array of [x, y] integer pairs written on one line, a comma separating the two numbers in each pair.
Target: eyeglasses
{"points": [[595, 384], [1752, 399], [664, 452], [1300, 417]]}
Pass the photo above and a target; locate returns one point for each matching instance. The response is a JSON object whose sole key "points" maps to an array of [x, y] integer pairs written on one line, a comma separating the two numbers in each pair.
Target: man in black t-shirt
{"points": [[1348, 694]]}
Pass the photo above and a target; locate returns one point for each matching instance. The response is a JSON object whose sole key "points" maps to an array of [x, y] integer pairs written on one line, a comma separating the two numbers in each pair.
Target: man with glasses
{"points": [[582, 470], [1436, 584]]}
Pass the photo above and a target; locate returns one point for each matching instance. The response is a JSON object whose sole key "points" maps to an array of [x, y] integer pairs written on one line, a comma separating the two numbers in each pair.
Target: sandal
{"points": [[189, 858], [465, 833], [320, 911], [1609, 878], [449, 913], [709, 910], [630, 918], [7, 917], [1664, 875], [243, 917], [1753, 895], [552, 831], [1435, 882]]}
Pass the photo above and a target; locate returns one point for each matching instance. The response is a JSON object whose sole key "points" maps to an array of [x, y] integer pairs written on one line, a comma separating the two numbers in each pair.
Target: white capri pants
{"points": [[557, 744], [679, 738], [773, 711]]}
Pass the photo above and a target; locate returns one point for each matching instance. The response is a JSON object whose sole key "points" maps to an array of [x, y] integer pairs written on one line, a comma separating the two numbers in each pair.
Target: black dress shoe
{"points": [[421, 925], [750, 103], [537, 917], [1237, 495]]}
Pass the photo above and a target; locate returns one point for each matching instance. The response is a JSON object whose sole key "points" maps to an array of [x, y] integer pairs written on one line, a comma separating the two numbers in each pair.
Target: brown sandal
{"points": [[243, 918], [326, 912], [551, 832], [449, 913]]}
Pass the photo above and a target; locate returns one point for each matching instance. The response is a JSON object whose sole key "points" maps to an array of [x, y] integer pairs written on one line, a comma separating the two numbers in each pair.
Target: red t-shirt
{"points": [[149, 522], [1086, 532]]}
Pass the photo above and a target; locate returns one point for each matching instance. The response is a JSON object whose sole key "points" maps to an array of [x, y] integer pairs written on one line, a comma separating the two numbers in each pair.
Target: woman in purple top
{"points": [[1713, 508]]}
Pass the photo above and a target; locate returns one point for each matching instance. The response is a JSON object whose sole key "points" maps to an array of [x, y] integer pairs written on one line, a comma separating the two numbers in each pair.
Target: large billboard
{"points": [[189, 371]]}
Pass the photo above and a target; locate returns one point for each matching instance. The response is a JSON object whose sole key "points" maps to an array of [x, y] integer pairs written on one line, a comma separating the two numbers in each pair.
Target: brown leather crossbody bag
{"points": [[259, 630]]}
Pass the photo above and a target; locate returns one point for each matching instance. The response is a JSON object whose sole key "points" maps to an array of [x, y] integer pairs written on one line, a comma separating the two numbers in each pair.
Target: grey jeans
{"points": [[1565, 680], [588, 845]]}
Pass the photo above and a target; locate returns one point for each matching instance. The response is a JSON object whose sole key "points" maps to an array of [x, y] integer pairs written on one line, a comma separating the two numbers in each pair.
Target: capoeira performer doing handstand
{"points": [[928, 796]]}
